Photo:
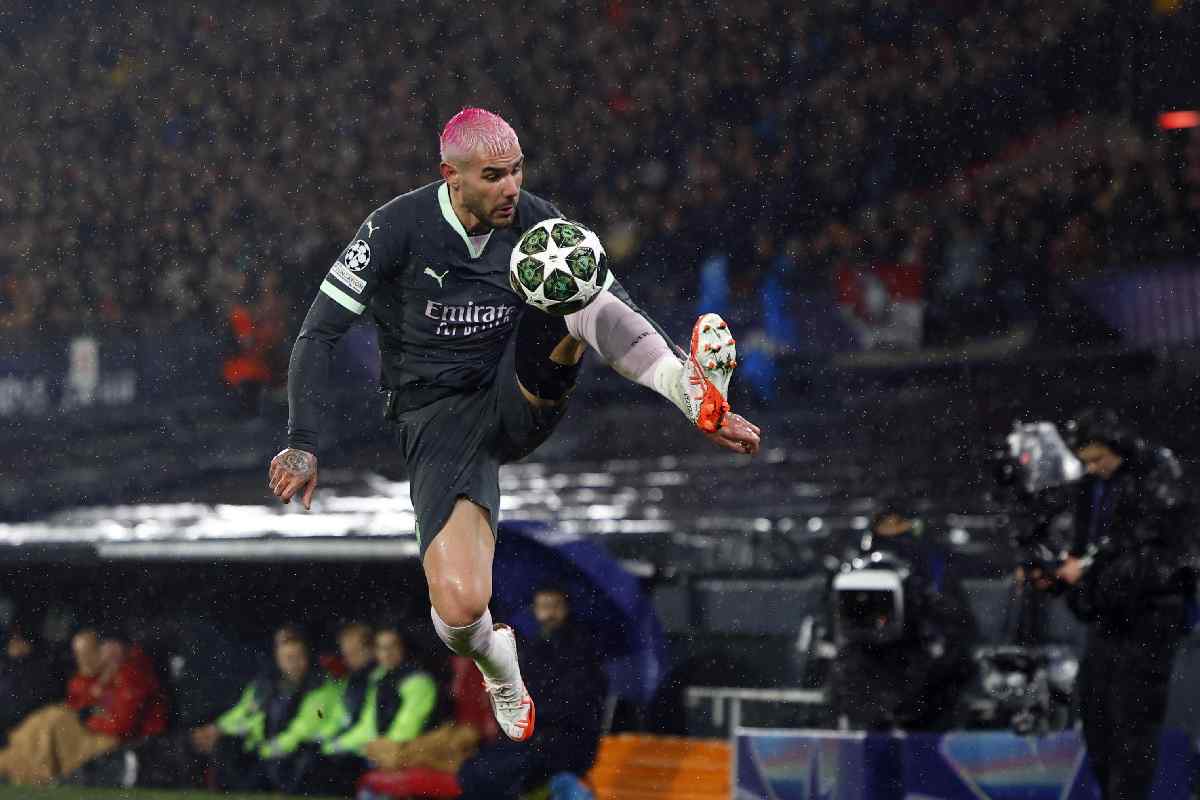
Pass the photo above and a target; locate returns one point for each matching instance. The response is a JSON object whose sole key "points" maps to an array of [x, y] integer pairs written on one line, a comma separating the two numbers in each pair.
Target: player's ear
{"points": [[450, 174]]}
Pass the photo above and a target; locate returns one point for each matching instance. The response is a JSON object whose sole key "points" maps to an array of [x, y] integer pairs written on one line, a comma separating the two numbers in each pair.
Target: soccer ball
{"points": [[558, 266]]}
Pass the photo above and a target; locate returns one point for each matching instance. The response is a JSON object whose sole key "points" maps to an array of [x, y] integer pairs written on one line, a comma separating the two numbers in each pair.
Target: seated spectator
{"points": [[269, 739], [564, 671], [29, 679], [356, 647], [124, 699], [114, 697], [401, 700]]}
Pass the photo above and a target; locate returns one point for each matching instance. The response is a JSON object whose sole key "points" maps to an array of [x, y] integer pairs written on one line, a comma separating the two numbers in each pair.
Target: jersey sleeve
{"points": [[373, 256]]}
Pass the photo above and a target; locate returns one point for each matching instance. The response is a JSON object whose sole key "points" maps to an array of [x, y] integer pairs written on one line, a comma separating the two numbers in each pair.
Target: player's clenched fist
{"points": [[294, 471]]}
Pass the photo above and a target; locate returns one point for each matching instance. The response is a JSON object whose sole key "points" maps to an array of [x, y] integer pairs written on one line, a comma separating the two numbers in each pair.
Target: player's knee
{"points": [[457, 604]]}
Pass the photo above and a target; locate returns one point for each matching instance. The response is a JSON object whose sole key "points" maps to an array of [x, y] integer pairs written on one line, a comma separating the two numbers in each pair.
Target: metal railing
{"points": [[718, 695]]}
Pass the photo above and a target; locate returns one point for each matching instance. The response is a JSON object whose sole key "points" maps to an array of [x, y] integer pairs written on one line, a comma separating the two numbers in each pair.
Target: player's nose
{"points": [[510, 187]]}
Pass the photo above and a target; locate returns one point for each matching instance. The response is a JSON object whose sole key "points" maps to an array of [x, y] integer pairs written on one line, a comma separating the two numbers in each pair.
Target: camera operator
{"points": [[903, 654], [1130, 579]]}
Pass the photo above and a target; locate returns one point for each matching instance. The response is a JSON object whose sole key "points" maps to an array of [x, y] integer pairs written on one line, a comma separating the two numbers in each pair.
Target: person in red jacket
{"points": [[124, 699], [114, 697]]}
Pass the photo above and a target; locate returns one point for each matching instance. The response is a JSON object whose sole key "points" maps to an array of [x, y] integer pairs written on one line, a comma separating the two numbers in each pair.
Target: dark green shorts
{"points": [[454, 446]]}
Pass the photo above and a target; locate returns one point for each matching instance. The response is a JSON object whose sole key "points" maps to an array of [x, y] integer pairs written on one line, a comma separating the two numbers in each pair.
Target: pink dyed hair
{"points": [[476, 128]]}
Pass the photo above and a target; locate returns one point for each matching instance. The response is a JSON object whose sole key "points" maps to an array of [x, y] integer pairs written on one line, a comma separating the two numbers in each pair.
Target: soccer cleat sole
{"points": [[714, 357]]}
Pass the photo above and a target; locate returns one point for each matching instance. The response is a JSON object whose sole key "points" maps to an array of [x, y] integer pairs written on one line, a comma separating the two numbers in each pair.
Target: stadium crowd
{"points": [[305, 724], [1022, 234], [174, 164]]}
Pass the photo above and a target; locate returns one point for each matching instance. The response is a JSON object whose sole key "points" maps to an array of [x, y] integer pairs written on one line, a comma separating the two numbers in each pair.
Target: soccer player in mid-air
{"points": [[476, 378]]}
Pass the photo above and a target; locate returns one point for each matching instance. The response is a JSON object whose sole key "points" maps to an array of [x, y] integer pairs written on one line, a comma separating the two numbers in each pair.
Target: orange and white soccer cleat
{"points": [[707, 372], [511, 702]]}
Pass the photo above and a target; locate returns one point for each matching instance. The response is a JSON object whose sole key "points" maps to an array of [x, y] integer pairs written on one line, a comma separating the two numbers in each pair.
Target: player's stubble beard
{"points": [[486, 217]]}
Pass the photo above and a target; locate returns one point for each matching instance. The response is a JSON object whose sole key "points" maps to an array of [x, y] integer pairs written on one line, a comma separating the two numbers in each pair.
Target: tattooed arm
{"points": [[343, 297]]}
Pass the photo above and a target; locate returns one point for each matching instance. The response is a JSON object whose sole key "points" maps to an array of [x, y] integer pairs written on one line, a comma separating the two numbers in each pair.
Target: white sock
{"points": [[628, 342], [478, 642], [666, 377]]}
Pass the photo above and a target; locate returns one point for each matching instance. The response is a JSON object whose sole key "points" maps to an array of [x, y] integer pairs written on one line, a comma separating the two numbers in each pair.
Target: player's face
{"points": [[490, 186]]}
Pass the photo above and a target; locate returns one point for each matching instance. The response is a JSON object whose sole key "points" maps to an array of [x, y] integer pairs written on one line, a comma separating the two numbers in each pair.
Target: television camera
{"points": [[1033, 470]]}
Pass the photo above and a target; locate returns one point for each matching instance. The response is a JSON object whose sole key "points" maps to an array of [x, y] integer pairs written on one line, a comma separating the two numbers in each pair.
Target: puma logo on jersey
{"points": [[371, 227], [439, 278]]}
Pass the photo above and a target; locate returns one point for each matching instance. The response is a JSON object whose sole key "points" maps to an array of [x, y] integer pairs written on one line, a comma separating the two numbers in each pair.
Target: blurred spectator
{"points": [[269, 739], [356, 649], [965, 260], [400, 703], [123, 698], [759, 350], [257, 330], [565, 675], [959, 304], [114, 697], [29, 679], [884, 304], [715, 292]]}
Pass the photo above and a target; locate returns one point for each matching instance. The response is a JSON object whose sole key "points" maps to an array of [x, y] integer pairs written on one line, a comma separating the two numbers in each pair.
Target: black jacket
{"points": [[1138, 525], [565, 674], [355, 693]]}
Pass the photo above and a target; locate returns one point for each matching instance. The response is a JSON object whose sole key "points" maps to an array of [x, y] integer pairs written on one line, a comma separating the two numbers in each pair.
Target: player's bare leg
{"points": [[458, 561], [458, 567]]}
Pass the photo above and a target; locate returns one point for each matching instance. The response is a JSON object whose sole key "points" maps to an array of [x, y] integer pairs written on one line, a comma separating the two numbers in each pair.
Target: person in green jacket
{"points": [[356, 645], [400, 704], [268, 740]]}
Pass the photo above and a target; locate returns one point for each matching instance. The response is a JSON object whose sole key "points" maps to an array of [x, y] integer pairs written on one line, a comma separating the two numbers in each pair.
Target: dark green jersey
{"points": [[440, 298]]}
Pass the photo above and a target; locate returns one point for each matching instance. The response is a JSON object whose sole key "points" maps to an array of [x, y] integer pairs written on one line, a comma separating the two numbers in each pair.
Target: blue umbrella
{"points": [[604, 597]]}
